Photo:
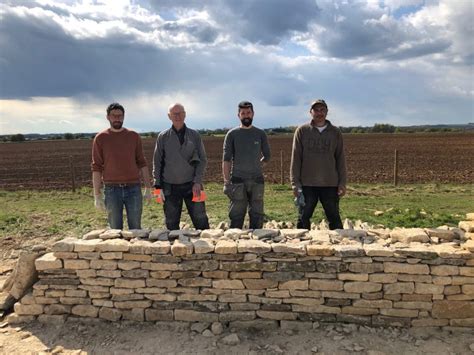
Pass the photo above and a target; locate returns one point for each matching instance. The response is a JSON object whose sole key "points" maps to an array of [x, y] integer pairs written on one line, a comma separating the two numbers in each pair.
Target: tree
{"points": [[383, 128], [17, 138], [68, 136]]}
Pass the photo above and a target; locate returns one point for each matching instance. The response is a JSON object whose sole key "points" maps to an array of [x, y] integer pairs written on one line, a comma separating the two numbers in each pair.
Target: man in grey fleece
{"points": [[179, 161], [318, 167], [245, 150]]}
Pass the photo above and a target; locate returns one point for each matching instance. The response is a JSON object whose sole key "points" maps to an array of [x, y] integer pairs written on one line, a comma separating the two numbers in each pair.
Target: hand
{"points": [[147, 195], [341, 191], [99, 203], [197, 190], [297, 191], [227, 189], [162, 195]]}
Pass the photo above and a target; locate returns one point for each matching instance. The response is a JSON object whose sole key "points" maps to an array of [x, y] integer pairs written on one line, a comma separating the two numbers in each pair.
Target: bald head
{"points": [[177, 114]]}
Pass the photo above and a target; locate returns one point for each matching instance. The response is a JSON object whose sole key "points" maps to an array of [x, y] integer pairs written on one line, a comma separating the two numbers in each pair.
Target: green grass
{"points": [[63, 213]]}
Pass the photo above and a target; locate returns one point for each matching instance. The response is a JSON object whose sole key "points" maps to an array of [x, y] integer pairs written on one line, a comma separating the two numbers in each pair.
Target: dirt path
{"points": [[101, 337]]}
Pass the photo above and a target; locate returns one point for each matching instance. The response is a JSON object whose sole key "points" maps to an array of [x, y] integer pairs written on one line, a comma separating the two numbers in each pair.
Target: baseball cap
{"points": [[319, 102]]}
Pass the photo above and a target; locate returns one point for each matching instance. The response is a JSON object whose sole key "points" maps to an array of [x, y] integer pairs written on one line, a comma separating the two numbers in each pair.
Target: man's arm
{"points": [[157, 161], [201, 166], [226, 165], [341, 165], [97, 182], [265, 148], [296, 158]]}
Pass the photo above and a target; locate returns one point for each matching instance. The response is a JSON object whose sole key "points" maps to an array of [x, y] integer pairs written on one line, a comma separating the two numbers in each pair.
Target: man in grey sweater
{"points": [[318, 167], [179, 162], [245, 150]]}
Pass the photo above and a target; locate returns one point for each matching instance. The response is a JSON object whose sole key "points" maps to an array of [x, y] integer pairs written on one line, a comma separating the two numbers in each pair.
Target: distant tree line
{"points": [[376, 128]]}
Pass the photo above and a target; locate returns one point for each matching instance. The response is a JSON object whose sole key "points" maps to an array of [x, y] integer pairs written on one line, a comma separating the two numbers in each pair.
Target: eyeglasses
{"points": [[319, 108], [177, 113]]}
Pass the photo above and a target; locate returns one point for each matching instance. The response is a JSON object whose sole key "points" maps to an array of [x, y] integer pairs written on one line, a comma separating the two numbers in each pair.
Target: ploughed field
{"points": [[424, 157]]}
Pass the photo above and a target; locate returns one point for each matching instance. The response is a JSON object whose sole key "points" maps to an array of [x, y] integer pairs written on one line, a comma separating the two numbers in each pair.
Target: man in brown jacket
{"points": [[318, 167]]}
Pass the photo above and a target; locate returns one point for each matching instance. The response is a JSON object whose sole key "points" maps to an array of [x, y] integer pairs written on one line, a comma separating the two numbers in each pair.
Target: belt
{"points": [[123, 185]]}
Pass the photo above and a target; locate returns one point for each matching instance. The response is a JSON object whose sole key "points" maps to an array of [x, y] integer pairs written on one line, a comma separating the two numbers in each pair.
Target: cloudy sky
{"points": [[402, 62]]}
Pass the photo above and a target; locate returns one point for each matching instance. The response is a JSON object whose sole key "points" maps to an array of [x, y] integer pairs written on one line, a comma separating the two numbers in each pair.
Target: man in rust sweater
{"points": [[118, 162], [318, 167]]}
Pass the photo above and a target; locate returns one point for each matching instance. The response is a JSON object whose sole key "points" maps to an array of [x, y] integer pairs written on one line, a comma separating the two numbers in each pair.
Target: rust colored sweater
{"points": [[118, 156], [318, 157]]}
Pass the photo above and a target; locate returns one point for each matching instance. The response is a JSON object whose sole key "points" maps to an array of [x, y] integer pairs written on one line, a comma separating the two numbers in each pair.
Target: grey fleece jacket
{"points": [[174, 163]]}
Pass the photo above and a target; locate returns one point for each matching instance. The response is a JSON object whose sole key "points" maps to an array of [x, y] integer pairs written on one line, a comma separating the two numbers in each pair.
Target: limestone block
{"points": [[17, 319], [319, 236], [468, 322], [360, 287], [65, 245], [444, 270], [23, 276], [212, 233], [469, 245], [453, 309], [248, 266], [135, 274], [276, 315], [228, 284], [356, 234], [441, 234], [265, 233], [236, 315], [259, 284], [73, 264], [253, 246], [56, 309], [304, 301], [391, 267], [361, 311], [468, 289], [226, 247], [366, 268], [429, 322], [128, 265], [88, 245], [293, 285], [113, 245], [195, 282], [289, 248], [307, 265], [195, 316], [467, 226], [378, 250], [326, 285], [28, 309], [203, 246], [316, 309], [414, 305], [110, 314], [129, 283], [161, 283], [319, 250], [48, 262], [399, 312], [409, 235], [111, 234], [293, 233], [153, 315], [372, 303], [181, 248], [383, 278], [137, 257], [159, 234], [103, 264], [349, 251], [399, 287], [235, 233], [466, 271], [85, 311], [132, 304], [95, 234], [134, 314]]}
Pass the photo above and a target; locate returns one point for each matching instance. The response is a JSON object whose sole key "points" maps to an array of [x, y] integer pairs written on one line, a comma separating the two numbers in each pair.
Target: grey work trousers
{"points": [[243, 194]]}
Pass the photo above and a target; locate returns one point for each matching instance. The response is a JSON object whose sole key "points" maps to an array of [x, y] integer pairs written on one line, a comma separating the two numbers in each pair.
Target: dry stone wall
{"points": [[260, 278]]}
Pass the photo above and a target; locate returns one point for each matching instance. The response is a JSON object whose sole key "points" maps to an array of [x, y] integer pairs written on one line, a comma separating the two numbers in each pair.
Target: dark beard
{"points": [[247, 122], [117, 124]]}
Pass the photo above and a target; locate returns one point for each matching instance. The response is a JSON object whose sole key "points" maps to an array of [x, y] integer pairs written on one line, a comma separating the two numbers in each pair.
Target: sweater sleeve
{"points": [[201, 166], [97, 156], [296, 158], [340, 161], [139, 156], [158, 156], [265, 147], [228, 147]]}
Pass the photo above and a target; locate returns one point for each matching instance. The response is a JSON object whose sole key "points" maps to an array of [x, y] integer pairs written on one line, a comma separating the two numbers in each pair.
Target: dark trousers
{"points": [[243, 194], [175, 194], [330, 201]]}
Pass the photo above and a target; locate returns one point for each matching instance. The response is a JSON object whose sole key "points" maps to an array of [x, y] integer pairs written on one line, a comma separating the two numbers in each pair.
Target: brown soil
{"points": [[427, 157]]}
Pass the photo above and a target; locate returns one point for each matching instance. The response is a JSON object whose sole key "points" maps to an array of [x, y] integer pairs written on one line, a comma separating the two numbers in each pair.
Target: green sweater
{"points": [[317, 159]]}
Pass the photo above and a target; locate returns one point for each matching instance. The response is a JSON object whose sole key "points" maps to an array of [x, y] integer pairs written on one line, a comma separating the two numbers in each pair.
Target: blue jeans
{"points": [[330, 201], [175, 194], [116, 197]]}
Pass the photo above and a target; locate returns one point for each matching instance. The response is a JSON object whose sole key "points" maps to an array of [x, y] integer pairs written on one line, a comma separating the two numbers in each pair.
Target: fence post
{"points": [[395, 168], [73, 175], [282, 174]]}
